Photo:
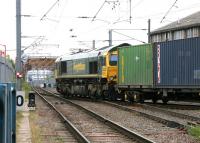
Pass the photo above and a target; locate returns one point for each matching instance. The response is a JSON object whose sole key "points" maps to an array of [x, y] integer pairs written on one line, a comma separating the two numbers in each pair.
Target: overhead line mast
{"points": [[18, 43]]}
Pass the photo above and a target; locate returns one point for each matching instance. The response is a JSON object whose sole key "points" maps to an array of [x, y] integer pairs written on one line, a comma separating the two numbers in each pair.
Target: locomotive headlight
{"points": [[111, 78]]}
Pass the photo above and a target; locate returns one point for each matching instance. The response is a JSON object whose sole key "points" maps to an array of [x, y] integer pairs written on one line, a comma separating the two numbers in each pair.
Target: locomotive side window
{"points": [[69, 67], [93, 67], [63, 67], [113, 60]]}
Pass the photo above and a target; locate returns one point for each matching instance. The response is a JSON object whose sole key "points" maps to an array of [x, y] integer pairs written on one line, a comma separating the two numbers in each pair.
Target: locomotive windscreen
{"points": [[113, 60]]}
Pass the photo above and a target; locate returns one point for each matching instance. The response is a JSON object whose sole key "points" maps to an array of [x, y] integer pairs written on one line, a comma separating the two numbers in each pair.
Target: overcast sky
{"points": [[63, 25]]}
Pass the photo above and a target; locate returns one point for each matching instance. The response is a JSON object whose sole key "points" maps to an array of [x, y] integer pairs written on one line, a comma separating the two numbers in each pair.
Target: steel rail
{"points": [[176, 105], [172, 113], [74, 131]]}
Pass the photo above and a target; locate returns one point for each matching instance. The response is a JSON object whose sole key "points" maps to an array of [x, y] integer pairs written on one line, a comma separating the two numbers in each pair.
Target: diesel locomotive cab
{"points": [[112, 68]]}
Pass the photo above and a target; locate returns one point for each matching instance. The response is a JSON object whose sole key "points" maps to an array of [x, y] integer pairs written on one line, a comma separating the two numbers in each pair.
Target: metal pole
{"points": [[18, 42], [149, 30], [93, 44], [110, 37]]}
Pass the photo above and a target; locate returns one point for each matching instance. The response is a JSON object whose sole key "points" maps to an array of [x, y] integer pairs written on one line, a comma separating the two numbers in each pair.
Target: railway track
{"points": [[177, 105], [167, 117], [139, 122], [46, 125], [175, 119], [88, 126], [173, 112]]}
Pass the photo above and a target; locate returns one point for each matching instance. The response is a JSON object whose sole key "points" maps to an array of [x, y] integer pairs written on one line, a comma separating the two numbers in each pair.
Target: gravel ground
{"points": [[195, 113], [93, 129], [191, 112], [47, 127], [151, 129], [160, 114]]}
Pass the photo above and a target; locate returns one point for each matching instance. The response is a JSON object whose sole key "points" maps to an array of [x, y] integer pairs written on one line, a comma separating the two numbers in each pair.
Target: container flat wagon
{"points": [[160, 70]]}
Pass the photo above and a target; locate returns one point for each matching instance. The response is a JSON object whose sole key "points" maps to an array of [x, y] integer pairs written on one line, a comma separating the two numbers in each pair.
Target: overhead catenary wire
{"points": [[168, 11], [49, 10], [98, 10], [130, 17], [106, 1], [129, 37]]}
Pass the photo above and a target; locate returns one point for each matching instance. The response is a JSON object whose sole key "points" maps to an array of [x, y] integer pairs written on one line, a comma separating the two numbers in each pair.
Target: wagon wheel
{"points": [[141, 100], [165, 99], [154, 99]]}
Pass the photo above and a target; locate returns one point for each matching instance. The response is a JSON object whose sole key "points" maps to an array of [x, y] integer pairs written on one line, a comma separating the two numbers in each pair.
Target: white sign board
{"points": [[20, 100]]}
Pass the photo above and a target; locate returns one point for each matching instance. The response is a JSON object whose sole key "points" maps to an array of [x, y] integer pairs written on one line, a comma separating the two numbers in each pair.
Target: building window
{"points": [[178, 35], [189, 33], [195, 32], [163, 37], [169, 36], [154, 38]]}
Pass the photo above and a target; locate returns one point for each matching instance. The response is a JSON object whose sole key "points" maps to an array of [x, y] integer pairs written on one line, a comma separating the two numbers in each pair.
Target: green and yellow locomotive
{"points": [[90, 74]]}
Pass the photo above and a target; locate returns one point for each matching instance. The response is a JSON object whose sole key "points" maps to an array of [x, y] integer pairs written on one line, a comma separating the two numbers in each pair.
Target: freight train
{"points": [[148, 71]]}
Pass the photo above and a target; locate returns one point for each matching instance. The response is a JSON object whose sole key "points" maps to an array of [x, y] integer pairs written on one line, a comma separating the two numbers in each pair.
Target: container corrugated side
{"points": [[177, 63], [135, 65]]}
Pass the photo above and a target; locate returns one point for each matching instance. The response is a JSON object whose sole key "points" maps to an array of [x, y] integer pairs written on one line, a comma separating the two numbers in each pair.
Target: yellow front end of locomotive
{"points": [[109, 71]]}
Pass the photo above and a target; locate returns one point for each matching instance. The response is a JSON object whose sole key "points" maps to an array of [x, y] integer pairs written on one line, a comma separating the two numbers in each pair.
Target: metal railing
{"points": [[7, 113]]}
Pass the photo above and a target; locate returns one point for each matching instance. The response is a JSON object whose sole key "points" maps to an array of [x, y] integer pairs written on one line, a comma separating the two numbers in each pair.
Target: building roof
{"points": [[189, 21]]}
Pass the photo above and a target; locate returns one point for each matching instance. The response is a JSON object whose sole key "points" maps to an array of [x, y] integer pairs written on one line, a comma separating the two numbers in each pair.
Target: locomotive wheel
{"points": [[89, 93], [98, 94], [122, 96], [104, 94], [94, 96]]}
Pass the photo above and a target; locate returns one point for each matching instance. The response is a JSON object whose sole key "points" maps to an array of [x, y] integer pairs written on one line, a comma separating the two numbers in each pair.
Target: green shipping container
{"points": [[135, 66]]}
